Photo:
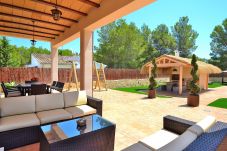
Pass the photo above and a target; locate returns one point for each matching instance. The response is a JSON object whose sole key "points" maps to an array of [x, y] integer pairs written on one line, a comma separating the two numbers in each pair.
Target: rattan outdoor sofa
{"points": [[21, 117], [180, 134]]}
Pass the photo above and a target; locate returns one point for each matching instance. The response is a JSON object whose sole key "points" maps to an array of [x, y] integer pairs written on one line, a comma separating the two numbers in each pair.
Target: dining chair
{"points": [[60, 86], [27, 82], [14, 92], [38, 89]]}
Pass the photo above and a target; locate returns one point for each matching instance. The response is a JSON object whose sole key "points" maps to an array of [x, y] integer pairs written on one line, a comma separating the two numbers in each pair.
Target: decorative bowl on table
{"points": [[81, 122]]}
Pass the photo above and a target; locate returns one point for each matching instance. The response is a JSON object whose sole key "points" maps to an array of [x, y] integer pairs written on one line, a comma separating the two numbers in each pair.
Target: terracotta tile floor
{"points": [[137, 117]]}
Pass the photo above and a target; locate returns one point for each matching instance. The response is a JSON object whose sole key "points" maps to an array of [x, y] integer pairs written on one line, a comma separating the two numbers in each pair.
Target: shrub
{"points": [[194, 88], [153, 83]]}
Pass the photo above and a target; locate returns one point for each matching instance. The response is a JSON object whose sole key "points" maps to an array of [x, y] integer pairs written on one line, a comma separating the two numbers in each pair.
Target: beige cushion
{"points": [[158, 139], [18, 121], [54, 91], [81, 110], [196, 130], [180, 143], [53, 115], [49, 102], [71, 98], [82, 98], [206, 123], [17, 105], [203, 125]]}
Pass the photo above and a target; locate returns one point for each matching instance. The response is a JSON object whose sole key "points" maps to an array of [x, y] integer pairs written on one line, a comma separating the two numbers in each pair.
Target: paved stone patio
{"points": [[137, 117]]}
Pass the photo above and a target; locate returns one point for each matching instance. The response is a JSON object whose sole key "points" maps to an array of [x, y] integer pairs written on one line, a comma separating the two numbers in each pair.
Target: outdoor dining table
{"points": [[26, 87]]}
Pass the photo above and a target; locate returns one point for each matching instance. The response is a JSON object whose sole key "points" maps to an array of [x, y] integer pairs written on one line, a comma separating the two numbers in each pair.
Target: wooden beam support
{"points": [[91, 3], [35, 11], [29, 25], [60, 7], [41, 32], [37, 20], [17, 32]]}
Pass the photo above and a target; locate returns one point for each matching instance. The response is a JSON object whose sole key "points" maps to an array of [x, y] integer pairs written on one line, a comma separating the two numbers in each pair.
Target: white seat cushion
{"points": [[17, 105], [49, 102], [53, 115], [81, 110], [203, 125], [206, 123], [71, 98], [158, 139], [180, 143], [18, 121]]}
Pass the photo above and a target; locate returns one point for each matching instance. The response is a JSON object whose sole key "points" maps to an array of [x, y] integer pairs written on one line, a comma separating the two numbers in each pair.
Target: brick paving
{"points": [[137, 117]]}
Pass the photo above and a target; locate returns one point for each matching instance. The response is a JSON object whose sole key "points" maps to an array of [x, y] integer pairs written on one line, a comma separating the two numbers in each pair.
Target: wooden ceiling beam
{"points": [[32, 19], [91, 3], [60, 7], [17, 32], [34, 11], [29, 25], [36, 31]]}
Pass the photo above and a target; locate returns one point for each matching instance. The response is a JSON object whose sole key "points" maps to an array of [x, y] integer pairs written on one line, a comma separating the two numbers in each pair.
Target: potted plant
{"points": [[153, 83], [193, 98]]}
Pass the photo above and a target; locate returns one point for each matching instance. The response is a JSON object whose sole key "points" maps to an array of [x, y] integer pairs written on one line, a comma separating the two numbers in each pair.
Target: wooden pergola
{"points": [[170, 67], [79, 19]]}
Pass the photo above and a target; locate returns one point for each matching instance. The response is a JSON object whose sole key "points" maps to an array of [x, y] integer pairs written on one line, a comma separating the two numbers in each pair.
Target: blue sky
{"points": [[203, 15]]}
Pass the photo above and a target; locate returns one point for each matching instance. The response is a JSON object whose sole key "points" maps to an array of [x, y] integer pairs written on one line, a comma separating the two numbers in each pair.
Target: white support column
{"points": [[181, 80], [54, 64], [86, 59]]}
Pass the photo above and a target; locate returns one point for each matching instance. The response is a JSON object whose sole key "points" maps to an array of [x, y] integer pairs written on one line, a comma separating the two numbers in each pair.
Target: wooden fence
{"points": [[44, 74]]}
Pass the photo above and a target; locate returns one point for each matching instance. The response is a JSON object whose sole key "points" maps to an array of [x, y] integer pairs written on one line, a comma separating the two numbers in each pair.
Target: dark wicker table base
{"points": [[100, 140]]}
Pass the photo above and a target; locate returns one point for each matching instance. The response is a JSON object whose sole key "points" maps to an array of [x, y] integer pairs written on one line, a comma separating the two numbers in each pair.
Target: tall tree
{"points": [[65, 52], [149, 52], [162, 39], [185, 37], [219, 45], [120, 44], [5, 51]]}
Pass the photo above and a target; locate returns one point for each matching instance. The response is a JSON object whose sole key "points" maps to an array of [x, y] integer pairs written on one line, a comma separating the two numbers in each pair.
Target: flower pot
{"points": [[151, 94], [193, 100]]}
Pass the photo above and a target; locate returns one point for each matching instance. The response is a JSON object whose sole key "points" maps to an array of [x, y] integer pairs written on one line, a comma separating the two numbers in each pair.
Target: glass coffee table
{"points": [[97, 135]]}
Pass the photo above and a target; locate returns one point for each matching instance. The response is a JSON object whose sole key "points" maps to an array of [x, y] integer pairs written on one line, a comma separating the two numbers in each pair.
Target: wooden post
{"points": [[73, 75], [181, 80]]}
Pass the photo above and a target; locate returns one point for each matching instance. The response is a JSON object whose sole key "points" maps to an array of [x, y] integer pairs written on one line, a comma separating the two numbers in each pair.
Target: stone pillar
{"points": [[86, 59], [54, 64], [181, 80]]}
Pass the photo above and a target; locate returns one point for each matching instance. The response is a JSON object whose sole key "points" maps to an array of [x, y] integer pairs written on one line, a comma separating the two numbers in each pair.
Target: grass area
{"points": [[139, 90], [215, 85], [221, 103]]}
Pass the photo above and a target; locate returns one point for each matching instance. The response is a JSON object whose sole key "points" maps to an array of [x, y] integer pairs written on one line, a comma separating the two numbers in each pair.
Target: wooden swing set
{"points": [[99, 76]]}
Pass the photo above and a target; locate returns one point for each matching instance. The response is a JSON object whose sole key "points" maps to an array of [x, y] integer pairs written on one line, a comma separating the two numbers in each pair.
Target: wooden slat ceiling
{"points": [[16, 17]]}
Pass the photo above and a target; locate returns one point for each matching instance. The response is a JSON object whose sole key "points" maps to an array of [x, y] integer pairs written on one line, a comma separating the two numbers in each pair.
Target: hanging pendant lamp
{"points": [[33, 41], [56, 13]]}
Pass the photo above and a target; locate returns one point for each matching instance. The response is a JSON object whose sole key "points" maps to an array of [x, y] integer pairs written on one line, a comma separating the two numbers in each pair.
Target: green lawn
{"points": [[138, 90], [215, 85], [221, 103]]}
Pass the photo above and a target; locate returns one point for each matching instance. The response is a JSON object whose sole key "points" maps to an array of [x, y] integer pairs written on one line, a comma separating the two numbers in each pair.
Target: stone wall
{"points": [[126, 83]]}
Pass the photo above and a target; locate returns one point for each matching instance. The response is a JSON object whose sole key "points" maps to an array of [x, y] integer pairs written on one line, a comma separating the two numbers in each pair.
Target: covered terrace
{"points": [[33, 19]]}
